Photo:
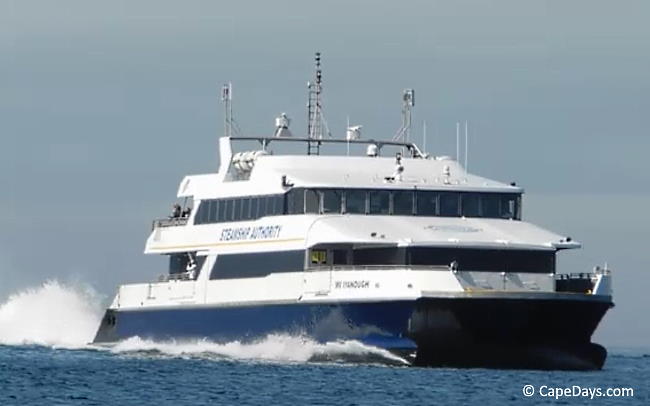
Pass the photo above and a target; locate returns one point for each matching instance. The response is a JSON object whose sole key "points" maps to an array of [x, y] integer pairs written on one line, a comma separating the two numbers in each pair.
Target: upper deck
{"points": [[361, 164]]}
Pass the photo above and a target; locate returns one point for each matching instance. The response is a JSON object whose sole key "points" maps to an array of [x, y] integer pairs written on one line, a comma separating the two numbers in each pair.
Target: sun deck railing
{"points": [[169, 222]]}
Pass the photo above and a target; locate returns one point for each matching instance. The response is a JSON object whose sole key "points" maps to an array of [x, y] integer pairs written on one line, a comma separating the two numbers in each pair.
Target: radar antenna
{"points": [[230, 125], [315, 119], [408, 100]]}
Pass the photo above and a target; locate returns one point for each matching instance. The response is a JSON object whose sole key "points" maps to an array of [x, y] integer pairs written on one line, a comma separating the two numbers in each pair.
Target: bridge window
{"points": [[312, 201], [403, 203], [427, 204], [379, 202], [296, 201], [449, 204], [471, 204], [355, 201], [509, 207], [490, 204], [332, 200]]}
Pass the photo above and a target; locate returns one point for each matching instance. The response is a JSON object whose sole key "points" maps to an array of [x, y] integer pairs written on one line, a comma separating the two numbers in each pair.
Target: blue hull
{"points": [[382, 324], [545, 333]]}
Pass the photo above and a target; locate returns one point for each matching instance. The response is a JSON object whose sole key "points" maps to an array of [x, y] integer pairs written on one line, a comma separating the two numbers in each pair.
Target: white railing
{"points": [[335, 268], [169, 222]]}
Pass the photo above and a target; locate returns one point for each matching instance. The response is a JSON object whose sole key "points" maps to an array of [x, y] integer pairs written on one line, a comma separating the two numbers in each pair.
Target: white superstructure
{"points": [[270, 174]]}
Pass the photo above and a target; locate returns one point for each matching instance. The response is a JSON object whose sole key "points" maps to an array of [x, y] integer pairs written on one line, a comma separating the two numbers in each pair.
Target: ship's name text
{"points": [[250, 233], [351, 284]]}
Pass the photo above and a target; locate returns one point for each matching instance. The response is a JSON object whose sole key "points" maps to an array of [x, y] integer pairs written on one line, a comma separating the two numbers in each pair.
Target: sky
{"points": [[105, 106]]}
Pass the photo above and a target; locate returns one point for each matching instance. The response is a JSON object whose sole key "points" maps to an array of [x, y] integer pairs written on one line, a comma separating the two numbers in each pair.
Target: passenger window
{"points": [[270, 206], [279, 204], [331, 201], [355, 202], [427, 204], [403, 203], [246, 208], [228, 215], [202, 214], [470, 204], [254, 205], [312, 201], [449, 204], [379, 202], [340, 257], [214, 207]]}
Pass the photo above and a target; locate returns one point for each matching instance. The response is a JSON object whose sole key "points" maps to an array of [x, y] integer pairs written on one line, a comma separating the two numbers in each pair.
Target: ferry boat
{"points": [[375, 241]]}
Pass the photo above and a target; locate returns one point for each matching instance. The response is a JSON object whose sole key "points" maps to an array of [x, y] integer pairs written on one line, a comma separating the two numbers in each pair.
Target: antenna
{"points": [[457, 141], [424, 136], [315, 119], [408, 100], [466, 146], [226, 98]]}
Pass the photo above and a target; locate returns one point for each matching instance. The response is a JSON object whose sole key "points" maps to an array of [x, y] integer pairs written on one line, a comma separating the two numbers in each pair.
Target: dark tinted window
{"points": [[332, 201], [508, 206], [296, 201], [486, 259], [471, 204], [203, 213], [398, 202], [271, 206], [214, 207], [490, 203], [261, 209], [427, 203], [256, 265], [403, 203], [312, 201], [254, 207], [246, 208], [355, 201], [449, 204], [278, 205], [228, 215], [379, 202]]}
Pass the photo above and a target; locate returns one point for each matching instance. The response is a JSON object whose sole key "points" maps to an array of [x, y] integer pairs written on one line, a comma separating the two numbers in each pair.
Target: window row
{"points": [[466, 259], [404, 203], [239, 209], [357, 201]]}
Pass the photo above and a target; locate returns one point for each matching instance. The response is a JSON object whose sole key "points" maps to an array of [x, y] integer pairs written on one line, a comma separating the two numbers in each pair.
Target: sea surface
{"points": [[45, 360]]}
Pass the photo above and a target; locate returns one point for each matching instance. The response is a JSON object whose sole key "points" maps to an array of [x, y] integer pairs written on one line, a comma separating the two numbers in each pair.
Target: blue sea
{"points": [[45, 360]]}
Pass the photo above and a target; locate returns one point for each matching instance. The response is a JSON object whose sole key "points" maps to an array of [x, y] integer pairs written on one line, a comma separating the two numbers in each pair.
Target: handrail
{"points": [[575, 275], [415, 151], [169, 222], [376, 267]]}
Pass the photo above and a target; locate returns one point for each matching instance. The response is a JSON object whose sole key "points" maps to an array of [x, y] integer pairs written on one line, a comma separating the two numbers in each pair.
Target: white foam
{"points": [[54, 314], [275, 347], [67, 316]]}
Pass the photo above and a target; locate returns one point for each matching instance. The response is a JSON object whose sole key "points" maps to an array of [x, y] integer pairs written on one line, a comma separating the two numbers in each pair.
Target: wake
{"points": [[67, 316], [273, 348]]}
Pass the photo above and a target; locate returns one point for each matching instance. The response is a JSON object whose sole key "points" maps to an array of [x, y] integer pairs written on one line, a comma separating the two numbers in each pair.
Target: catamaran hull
{"points": [[457, 331]]}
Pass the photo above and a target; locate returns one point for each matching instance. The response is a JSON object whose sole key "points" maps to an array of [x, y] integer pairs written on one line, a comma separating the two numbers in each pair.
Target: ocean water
{"points": [[45, 360]]}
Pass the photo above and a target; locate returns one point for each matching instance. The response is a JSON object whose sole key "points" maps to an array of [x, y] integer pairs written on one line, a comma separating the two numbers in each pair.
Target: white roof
{"points": [[434, 231], [362, 172]]}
